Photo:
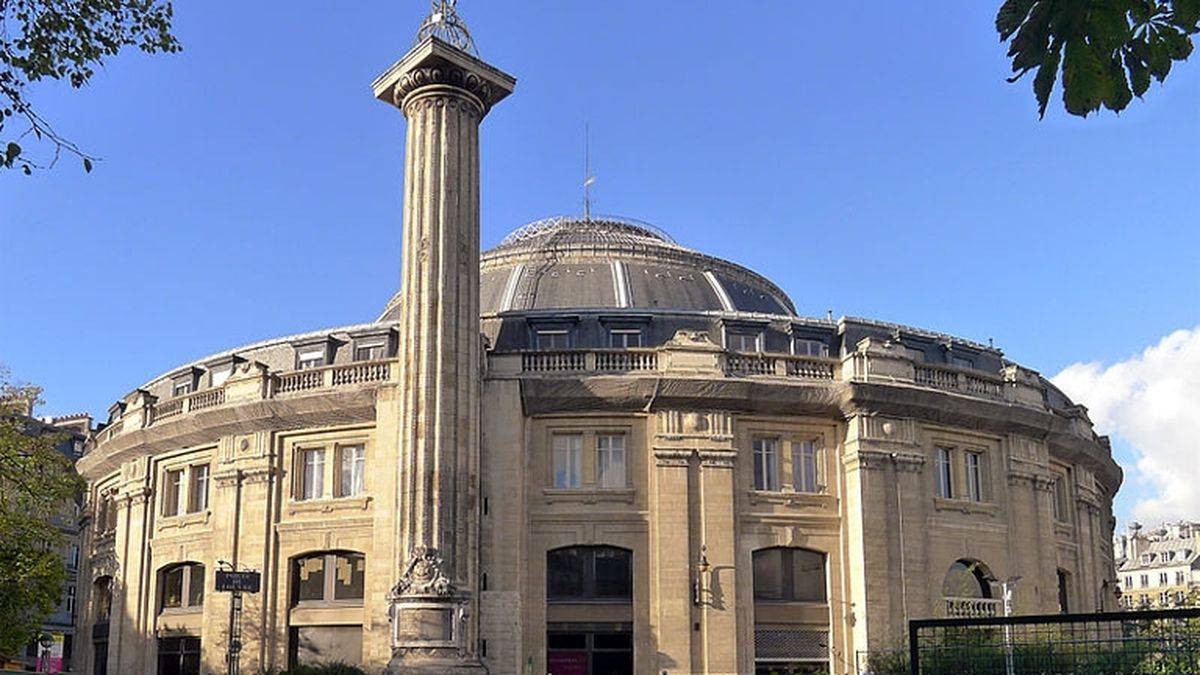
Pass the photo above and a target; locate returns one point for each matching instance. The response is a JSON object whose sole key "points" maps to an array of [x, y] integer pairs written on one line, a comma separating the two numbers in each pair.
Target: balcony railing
{"points": [[971, 608], [954, 379]]}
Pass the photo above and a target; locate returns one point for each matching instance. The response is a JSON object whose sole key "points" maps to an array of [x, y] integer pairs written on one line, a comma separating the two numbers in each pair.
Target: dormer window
{"points": [[310, 358], [181, 388], [557, 338], [624, 338], [809, 347], [1147, 558], [185, 382], [743, 340], [961, 362], [370, 351]]}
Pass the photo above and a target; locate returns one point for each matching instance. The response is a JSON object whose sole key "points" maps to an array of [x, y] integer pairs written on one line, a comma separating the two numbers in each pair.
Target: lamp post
{"points": [[1007, 587]]}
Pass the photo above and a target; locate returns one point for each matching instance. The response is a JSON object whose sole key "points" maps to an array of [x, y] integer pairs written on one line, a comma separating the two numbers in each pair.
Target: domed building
{"points": [[590, 449]]}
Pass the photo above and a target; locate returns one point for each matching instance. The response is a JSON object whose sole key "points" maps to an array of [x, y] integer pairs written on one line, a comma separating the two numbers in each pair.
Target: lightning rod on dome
{"points": [[444, 23], [588, 178]]}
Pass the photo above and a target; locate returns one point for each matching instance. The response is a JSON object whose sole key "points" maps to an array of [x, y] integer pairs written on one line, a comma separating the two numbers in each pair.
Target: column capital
{"points": [[435, 64]]}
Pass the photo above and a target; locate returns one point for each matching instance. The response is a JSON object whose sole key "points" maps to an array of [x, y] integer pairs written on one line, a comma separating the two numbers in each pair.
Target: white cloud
{"points": [[1152, 402]]}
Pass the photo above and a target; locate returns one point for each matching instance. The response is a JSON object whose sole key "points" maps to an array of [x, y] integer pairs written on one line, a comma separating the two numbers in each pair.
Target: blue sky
{"points": [[870, 159]]}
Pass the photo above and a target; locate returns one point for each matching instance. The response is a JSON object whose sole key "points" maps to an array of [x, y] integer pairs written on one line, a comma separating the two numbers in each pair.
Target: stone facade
{"points": [[1159, 568], [592, 448]]}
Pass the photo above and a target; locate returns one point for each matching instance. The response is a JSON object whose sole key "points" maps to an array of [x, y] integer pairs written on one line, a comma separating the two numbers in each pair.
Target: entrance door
{"points": [[588, 652], [100, 657]]}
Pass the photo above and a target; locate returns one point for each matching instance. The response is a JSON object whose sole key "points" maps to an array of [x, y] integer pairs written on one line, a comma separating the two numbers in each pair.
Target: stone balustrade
{"points": [[257, 384], [972, 608]]}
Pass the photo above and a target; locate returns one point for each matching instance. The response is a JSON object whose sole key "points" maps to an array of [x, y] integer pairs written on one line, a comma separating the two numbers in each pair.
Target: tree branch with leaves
{"points": [[1106, 50], [64, 40]]}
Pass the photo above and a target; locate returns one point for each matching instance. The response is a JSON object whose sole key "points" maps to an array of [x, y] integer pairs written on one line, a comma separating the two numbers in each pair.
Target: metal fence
{"points": [[1165, 642]]}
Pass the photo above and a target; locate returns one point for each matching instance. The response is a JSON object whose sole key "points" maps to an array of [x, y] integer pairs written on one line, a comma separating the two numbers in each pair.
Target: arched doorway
{"points": [[791, 611], [589, 611]]}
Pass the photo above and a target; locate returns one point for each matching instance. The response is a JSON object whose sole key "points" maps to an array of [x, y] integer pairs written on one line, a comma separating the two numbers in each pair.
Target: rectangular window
{"points": [[172, 492], [372, 351], [348, 577], [960, 362], [310, 358], [1145, 581], [181, 388], [312, 477], [568, 460], [806, 347], [1180, 578], [974, 476], [805, 467], [553, 339], [945, 474], [610, 461], [766, 464], [1059, 503], [742, 341], [352, 466], [73, 556], [1162, 578], [198, 490], [69, 603], [623, 338]]}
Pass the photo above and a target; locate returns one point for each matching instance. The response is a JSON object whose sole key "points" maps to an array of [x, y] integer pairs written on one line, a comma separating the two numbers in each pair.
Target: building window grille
{"points": [[172, 492], [568, 460], [805, 467], [198, 489], [312, 477], [766, 464], [352, 469], [624, 338], [179, 655], [552, 339], [183, 587], [945, 474], [335, 577], [789, 575], [974, 462], [806, 347], [610, 461]]}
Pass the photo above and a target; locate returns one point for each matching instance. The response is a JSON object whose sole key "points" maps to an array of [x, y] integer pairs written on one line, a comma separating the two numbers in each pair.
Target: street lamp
{"points": [[1007, 587], [702, 568]]}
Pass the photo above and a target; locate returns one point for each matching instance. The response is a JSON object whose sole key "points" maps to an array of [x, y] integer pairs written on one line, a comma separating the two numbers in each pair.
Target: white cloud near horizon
{"points": [[1152, 402]]}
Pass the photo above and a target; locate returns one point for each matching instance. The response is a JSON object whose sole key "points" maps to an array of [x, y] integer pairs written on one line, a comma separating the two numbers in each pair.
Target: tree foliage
{"points": [[64, 40], [38, 491], [1106, 50]]}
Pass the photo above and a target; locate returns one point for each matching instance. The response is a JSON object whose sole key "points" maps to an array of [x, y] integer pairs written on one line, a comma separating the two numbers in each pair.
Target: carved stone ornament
{"points": [[446, 75], [423, 577], [691, 338]]}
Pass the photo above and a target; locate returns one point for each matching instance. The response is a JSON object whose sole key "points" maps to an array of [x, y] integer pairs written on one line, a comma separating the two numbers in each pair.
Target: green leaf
{"points": [[1012, 13], [1139, 74], [1043, 83], [1084, 79], [11, 152], [1187, 14], [1119, 96]]}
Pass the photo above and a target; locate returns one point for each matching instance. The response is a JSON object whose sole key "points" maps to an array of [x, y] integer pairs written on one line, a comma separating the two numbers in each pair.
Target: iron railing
{"points": [[1163, 642]]}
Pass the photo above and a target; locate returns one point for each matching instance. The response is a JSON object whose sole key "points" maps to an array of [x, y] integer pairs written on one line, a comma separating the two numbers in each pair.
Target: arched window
{"points": [[182, 588], [102, 599], [788, 574], [967, 579], [589, 573], [328, 577]]}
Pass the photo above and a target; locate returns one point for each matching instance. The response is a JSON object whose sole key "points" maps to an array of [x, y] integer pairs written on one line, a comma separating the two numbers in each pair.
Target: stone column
{"points": [[445, 93]]}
